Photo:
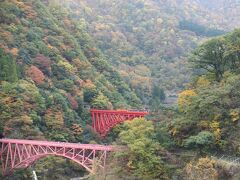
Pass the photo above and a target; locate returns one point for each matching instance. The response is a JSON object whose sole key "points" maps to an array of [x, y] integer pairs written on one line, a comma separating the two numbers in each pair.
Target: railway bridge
{"points": [[19, 154]]}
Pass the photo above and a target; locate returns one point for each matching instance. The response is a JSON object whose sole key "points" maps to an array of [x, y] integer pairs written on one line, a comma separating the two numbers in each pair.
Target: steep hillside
{"points": [[147, 41], [58, 58], [55, 71], [51, 72]]}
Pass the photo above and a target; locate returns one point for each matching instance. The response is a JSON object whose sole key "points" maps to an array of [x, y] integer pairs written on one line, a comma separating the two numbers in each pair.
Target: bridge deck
{"points": [[59, 144]]}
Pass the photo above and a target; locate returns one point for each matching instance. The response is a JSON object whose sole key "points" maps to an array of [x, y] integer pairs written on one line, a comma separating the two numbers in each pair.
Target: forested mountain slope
{"points": [[58, 58], [147, 41], [73, 51], [50, 68], [50, 72]]}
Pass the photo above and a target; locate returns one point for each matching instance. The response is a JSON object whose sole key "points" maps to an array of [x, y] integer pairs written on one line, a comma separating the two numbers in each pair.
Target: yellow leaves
{"points": [[12, 27], [185, 99], [54, 119], [173, 131], [215, 128], [139, 127], [26, 120], [130, 165], [214, 125], [204, 124], [20, 4], [203, 82], [77, 129], [7, 100], [235, 115], [205, 163], [203, 169], [49, 46], [67, 66]]}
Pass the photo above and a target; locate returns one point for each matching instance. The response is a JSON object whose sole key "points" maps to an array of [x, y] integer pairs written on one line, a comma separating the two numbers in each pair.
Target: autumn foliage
{"points": [[54, 119], [185, 98], [72, 101], [43, 63], [36, 75]]}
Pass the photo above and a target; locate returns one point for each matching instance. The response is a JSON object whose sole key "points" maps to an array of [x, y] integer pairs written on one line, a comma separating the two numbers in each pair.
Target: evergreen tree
{"points": [[8, 68]]}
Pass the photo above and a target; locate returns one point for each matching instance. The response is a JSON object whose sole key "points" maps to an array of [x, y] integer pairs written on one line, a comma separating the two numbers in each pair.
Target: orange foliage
{"points": [[27, 8], [14, 52], [81, 64], [36, 75], [88, 84], [50, 47], [7, 36]]}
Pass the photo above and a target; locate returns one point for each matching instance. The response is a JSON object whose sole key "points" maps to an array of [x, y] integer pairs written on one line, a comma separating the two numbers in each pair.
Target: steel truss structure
{"points": [[104, 120], [19, 154]]}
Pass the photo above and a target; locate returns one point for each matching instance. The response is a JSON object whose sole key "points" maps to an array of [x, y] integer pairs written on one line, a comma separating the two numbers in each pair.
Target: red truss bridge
{"points": [[18, 154], [104, 120]]}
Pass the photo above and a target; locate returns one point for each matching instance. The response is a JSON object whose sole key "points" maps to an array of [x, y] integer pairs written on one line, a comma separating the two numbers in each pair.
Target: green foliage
{"points": [[200, 30], [8, 68], [141, 160], [158, 93], [100, 102], [209, 118], [21, 127], [203, 139], [65, 84], [218, 55], [97, 57], [126, 35], [89, 95], [158, 97], [162, 135], [9, 13], [57, 168], [70, 55], [24, 56]]}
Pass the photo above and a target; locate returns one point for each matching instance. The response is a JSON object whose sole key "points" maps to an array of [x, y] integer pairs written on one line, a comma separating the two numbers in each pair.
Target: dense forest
{"points": [[60, 58]]}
